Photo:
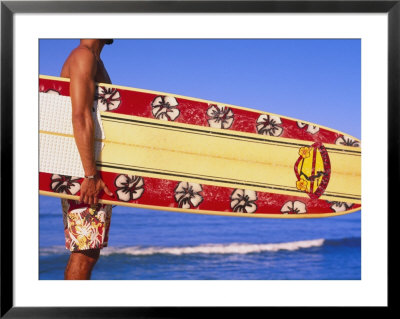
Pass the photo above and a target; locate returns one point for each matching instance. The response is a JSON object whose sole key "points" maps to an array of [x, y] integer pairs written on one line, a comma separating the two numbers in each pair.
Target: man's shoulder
{"points": [[81, 60], [82, 54]]}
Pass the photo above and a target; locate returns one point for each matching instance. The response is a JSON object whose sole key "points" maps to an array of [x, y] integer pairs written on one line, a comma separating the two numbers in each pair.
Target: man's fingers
{"points": [[107, 191], [86, 199]]}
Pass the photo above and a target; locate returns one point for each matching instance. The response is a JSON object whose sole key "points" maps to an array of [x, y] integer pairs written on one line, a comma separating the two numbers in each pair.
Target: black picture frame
{"points": [[9, 8]]}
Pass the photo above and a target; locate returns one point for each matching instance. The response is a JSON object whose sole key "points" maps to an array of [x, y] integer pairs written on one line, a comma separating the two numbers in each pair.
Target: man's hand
{"points": [[91, 189]]}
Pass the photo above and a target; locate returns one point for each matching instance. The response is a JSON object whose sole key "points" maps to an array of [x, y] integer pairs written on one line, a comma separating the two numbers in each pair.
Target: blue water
{"points": [[146, 244]]}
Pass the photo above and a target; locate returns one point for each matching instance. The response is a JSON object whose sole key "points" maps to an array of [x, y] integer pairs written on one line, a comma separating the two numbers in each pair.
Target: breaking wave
{"points": [[219, 249]]}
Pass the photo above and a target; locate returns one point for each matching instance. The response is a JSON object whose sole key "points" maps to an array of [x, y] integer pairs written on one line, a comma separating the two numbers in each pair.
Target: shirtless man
{"points": [[84, 68]]}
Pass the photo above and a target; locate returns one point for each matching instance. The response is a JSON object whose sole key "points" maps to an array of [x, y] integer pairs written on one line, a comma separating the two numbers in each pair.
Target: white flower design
{"points": [[164, 108], [187, 195], [65, 184], [269, 125], [108, 99], [243, 201], [295, 207], [312, 129], [347, 141], [220, 116], [51, 91], [340, 206], [129, 187]]}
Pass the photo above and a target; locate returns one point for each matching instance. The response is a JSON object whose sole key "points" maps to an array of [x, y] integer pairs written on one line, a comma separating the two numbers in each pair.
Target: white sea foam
{"points": [[233, 248]]}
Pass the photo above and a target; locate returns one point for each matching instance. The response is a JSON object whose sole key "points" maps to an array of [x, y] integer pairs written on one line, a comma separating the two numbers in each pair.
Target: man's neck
{"points": [[94, 45]]}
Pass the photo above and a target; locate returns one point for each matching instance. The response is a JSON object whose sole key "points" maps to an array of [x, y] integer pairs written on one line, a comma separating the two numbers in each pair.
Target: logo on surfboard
{"points": [[313, 170]]}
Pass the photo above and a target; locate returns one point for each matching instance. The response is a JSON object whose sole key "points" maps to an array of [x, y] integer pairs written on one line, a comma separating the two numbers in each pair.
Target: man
{"points": [[86, 222]]}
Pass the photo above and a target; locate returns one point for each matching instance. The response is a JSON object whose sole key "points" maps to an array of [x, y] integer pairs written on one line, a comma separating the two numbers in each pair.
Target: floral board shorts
{"points": [[85, 226]]}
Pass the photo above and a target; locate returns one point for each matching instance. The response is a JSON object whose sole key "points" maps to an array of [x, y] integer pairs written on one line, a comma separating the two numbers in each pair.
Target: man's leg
{"points": [[80, 264], [86, 230]]}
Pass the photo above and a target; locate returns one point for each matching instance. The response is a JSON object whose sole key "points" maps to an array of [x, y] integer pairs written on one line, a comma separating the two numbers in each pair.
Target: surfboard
{"points": [[164, 151]]}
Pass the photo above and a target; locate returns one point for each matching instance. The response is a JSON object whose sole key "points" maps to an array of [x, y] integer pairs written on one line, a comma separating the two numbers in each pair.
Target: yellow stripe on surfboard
{"points": [[204, 155]]}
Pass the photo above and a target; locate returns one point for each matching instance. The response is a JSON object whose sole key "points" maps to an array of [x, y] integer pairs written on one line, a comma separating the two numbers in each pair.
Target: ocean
{"points": [[157, 245]]}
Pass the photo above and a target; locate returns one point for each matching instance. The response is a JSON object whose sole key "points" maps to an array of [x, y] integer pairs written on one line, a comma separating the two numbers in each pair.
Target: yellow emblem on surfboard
{"points": [[312, 170]]}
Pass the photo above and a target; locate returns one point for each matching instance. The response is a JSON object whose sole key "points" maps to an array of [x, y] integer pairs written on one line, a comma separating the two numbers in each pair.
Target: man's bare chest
{"points": [[101, 74]]}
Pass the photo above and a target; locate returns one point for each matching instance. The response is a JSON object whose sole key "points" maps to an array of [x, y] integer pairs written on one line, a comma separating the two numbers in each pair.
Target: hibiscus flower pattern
{"points": [[165, 108], [243, 201], [312, 129], [220, 116], [129, 187], [347, 141], [294, 207], [108, 99], [269, 125], [187, 195], [340, 206], [65, 184]]}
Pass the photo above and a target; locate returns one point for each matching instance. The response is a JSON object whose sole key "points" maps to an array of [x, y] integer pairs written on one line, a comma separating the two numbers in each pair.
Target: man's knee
{"points": [[86, 257], [81, 263], [84, 260]]}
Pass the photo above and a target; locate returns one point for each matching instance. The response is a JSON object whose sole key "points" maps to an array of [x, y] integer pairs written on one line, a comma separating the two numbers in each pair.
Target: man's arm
{"points": [[82, 89]]}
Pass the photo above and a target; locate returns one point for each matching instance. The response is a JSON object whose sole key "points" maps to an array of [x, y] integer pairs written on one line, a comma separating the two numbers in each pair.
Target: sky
{"points": [[317, 81]]}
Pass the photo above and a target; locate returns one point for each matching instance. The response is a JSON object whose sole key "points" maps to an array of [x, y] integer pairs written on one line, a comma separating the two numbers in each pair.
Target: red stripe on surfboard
{"points": [[161, 193], [194, 112], [61, 87]]}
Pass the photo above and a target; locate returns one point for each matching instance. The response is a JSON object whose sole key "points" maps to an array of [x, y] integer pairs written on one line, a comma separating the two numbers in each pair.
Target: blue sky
{"points": [[312, 80]]}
